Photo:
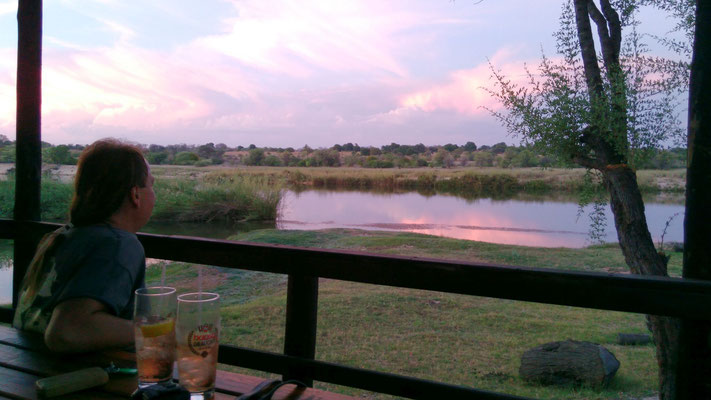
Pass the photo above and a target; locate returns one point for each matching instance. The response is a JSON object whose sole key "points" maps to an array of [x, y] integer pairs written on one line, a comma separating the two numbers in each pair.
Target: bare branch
{"points": [[599, 20], [614, 24], [587, 50]]}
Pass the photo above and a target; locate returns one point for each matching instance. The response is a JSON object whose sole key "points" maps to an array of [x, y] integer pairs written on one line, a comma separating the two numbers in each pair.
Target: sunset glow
{"points": [[283, 73]]}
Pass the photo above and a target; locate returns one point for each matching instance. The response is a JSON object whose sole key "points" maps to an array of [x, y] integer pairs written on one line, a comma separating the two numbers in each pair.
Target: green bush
{"points": [[54, 200], [186, 158]]}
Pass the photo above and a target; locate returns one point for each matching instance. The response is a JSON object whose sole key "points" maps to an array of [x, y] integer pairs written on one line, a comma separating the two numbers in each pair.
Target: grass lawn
{"points": [[465, 340]]}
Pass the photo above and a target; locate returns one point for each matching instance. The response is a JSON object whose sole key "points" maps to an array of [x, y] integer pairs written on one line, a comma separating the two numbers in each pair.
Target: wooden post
{"points": [[694, 369], [300, 335], [28, 163]]}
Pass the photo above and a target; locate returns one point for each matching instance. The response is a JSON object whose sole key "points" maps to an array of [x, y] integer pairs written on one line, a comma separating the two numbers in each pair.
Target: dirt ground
{"points": [[65, 173]]}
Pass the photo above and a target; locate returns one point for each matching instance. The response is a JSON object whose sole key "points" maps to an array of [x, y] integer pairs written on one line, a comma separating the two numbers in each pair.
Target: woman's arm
{"points": [[84, 324]]}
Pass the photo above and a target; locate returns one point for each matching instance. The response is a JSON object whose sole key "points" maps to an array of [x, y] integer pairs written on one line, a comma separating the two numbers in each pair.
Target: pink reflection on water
{"points": [[530, 223]]}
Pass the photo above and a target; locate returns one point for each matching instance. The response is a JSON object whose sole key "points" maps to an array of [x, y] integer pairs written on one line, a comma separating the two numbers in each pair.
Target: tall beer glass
{"points": [[154, 327], [198, 333]]}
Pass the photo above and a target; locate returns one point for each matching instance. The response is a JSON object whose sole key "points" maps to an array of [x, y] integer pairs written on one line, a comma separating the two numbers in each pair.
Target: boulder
{"points": [[632, 339], [569, 362]]}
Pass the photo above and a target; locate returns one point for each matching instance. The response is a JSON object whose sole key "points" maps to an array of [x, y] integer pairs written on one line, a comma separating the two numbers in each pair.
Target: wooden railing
{"points": [[683, 298]]}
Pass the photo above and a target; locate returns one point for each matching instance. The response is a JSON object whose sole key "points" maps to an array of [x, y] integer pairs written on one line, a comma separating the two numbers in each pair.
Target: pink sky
{"points": [[277, 73]]}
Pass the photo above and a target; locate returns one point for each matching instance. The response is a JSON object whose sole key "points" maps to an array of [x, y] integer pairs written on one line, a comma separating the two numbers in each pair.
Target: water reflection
{"points": [[530, 223], [213, 230], [5, 281]]}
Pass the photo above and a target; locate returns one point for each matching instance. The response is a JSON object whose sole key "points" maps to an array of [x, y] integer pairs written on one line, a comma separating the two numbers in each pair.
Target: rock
{"points": [[569, 362], [633, 339]]}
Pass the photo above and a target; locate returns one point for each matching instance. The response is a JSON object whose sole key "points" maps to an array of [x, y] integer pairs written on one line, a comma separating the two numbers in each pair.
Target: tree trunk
{"points": [[609, 144], [694, 372], [642, 258]]}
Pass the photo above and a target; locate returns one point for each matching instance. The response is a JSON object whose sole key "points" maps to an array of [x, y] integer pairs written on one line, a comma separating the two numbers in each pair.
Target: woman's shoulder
{"points": [[100, 232], [104, 241], [101, 235]]}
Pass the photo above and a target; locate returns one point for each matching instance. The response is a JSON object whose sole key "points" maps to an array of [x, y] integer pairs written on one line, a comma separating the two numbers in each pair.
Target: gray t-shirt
{"points": [[99, 262]]}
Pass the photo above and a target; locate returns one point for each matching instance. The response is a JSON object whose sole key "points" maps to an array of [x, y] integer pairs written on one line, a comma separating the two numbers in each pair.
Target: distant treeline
{"points": [[393, 155]]}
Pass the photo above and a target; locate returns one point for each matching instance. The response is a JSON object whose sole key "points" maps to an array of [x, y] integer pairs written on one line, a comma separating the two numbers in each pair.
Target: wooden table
{"points": [[24, 358]]}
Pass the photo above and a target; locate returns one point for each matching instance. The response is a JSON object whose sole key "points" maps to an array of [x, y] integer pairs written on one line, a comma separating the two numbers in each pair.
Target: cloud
{"points": [[8, 7], [299, 72], [299, 38], [464, 91], [119, 86], [125, 33], [8, 60]]}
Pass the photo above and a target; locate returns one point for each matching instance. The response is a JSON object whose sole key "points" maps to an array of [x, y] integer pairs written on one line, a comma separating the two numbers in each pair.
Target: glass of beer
{"points": [[198, 333], [154, 327]]}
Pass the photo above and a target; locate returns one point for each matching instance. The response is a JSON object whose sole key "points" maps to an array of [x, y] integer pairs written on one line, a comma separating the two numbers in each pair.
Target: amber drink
{"points": [[154, 328], [197, 334]]}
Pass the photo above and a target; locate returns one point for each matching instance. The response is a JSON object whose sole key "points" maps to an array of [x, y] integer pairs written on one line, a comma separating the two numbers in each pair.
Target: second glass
{"points": [[154, 327], [198, 333]]}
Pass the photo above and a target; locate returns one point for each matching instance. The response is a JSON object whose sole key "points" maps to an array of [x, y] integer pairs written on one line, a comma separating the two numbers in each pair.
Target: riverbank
{"points": [[465, 182], [458, 339]]}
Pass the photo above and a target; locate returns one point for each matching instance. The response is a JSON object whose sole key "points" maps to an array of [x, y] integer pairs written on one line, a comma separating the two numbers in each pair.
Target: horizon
{"points": [[281, 75]]}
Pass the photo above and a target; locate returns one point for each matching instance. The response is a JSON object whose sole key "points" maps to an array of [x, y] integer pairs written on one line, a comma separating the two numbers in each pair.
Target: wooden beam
{"points": [[300, 330], [28, 129], [674, 297], [640, 294], [382, 382]]}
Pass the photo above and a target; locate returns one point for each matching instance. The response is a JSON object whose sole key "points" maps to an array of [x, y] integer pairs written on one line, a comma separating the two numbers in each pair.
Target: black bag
{"points": [[169, 391], [266, 389]]}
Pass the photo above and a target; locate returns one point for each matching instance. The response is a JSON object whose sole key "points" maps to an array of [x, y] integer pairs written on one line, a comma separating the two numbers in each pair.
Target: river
{"points": [[543, 222]]}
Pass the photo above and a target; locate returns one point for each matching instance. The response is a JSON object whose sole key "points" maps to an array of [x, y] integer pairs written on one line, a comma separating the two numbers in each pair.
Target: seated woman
{"points": [[79, 287]]}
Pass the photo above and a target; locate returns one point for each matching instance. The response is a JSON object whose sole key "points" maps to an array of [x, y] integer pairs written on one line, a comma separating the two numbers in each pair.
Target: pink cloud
{"points": [[464, 91], [129, 88], [298, 38]]}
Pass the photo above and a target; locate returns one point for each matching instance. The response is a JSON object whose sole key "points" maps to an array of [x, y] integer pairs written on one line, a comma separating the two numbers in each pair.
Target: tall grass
{"points": [[466, 182], [216, 199], [54, 199], [178, 199]]}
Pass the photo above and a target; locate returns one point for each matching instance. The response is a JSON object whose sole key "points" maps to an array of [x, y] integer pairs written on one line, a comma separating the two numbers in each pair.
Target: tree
{"points": [[450, 147], [483, 159], [206, 150], [694, 367], [443, 159], [255, 157], [157, 158], [7, 154], [271, 161], [599, 112], [470, 146], [156, 148], [59, 155], [524, 159], [186, 158], [325, 158], [498, 148]]}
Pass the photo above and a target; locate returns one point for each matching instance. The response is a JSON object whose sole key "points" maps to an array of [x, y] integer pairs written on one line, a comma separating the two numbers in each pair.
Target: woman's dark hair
{"points": [[106, 172]]}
